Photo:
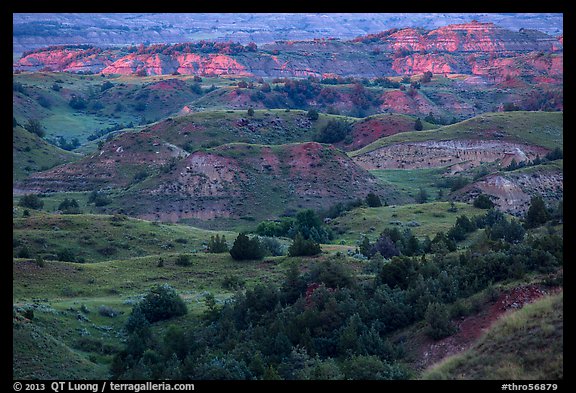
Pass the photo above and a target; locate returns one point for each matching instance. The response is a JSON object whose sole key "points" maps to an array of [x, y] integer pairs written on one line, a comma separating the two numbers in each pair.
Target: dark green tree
{"points": [[69, 206], [385, 246], [162, 302], [438, 320], [31, 201], [334, 131], [537, 213], [293, 285], [399, 272], [366, 247], [555, 154], [422, 196], [310, 226], [303, 247], [217, 244], [312, 114], [418, 126], [35, 127], [77, 102], [106, 85], [245, 248], [373, 200], [483, 201]]}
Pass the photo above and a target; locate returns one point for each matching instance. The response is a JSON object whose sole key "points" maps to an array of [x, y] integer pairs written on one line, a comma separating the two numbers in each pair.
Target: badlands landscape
{"points": [[237, 202]]}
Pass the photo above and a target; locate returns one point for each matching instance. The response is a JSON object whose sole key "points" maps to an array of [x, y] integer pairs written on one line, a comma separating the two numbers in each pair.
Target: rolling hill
{"points": [[31, 154], [376, 146]]}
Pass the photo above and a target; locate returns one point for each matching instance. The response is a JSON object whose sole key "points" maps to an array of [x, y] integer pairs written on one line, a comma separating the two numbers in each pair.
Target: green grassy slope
{"points": [[68, 337], [536, 128], [524, 345], [130, 100], [421, 219], [31, 154], [40, 355], [217, 127], [96, 238]]}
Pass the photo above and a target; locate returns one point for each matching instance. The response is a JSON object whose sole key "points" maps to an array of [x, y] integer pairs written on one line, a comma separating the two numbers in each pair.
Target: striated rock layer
{"points": [[482, 49]]}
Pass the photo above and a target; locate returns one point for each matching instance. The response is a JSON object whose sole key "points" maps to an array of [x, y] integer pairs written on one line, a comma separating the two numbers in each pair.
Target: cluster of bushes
{"points": [[245, 248], [31, 201], [393, 242], [335, 131], [228, 48], [99, 198], [322, 323], [77, 102], [340, 208], [69, 206], [107, 130], [440, 121], [160, 303], [454, 183], [295, 93], [64, 144], [307, 222], [86, 49], [303, 247]]}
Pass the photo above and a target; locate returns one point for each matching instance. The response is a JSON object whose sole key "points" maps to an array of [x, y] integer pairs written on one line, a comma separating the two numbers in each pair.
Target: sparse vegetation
{"points": [[183, 260]]}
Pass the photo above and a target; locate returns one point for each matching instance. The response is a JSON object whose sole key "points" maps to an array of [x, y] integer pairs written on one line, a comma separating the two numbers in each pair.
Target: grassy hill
{"points": [[31, 153], [536, 128], [252, 182], [421, 219], [216, 127], [68, 317], [524, 345], [108, 103], [97, 238], [70, 337]]}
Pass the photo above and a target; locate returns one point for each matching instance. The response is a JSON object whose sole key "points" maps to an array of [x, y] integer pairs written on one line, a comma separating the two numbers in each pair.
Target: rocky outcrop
{"points": [[473, 48], [253, 180], [67, 60], [186, 64], [511, 192], [233, 180], [430, 154], [465, 37]]}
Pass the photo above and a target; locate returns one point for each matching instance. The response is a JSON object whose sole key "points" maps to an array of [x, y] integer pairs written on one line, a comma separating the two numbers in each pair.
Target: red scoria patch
{"points": [[370, 130], [304, 157], [472, 327], [169, 84]]}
